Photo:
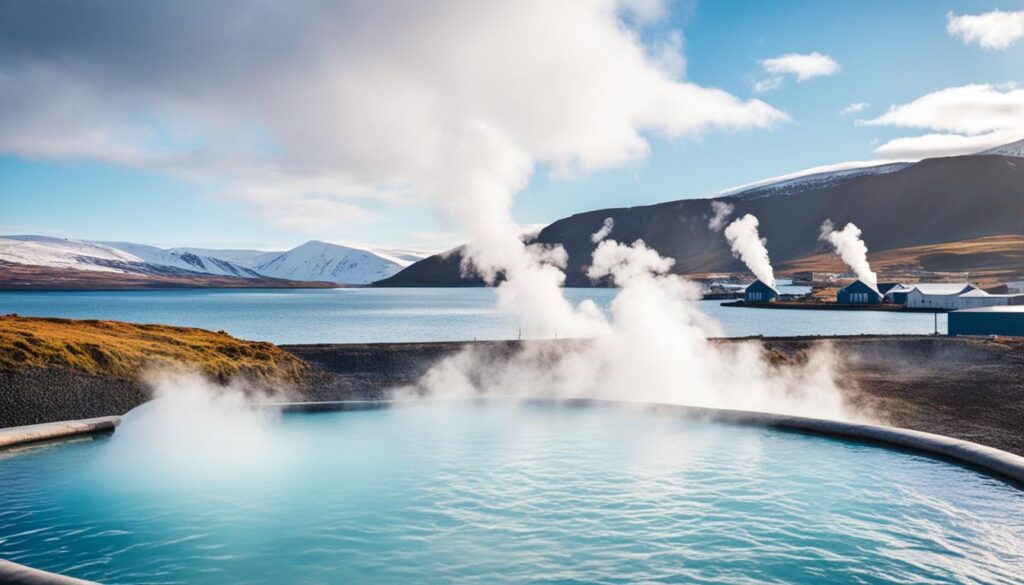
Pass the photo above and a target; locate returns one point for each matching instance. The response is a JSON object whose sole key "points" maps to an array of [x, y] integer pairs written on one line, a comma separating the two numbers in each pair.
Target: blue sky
{"points": [[890, 53]]}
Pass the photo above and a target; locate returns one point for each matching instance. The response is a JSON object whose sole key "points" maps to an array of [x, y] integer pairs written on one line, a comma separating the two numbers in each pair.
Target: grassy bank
{"points": [[123, 350]]}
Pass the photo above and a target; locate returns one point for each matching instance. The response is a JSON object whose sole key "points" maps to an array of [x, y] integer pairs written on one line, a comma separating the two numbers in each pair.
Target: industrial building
{"points": [[1002, 320], [859, 293], [940, 296], [759, 292], [978, 298], [953, 297]]}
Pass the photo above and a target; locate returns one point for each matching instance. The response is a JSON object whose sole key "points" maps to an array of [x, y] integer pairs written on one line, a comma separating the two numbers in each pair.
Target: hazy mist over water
{"points": [[407, 314]]}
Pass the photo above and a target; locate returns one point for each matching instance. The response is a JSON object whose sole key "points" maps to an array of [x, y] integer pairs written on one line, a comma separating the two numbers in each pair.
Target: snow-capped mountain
{"points": [[317, 260], [1011, 149], [183, 259], [312, 261], [241, 257], [61, 253]]}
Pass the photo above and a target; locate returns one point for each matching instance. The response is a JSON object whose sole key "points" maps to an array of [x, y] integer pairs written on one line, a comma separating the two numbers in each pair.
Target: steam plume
{"points": [[224, 434], [748, 246], [604, 232], [653, 347], [851, 248], [721, 212]]}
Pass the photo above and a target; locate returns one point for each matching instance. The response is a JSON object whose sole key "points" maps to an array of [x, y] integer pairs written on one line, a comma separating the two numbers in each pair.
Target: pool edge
{"points": [[15, 436], [14, 574]]}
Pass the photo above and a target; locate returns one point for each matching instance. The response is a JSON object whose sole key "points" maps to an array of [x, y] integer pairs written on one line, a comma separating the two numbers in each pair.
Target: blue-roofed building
{"points": [[1001, 320], [759, 292], [859, 293]]}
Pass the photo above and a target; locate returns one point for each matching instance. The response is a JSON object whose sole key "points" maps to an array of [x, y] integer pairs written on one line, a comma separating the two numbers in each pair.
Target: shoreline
{"points": [[790, 305], [969, 388]]}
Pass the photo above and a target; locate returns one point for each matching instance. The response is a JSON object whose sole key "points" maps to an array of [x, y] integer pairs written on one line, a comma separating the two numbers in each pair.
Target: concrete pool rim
{"points": [[995, 462]]}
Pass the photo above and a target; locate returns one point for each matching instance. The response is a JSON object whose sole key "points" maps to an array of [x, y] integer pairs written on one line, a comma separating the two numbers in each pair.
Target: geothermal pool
{"points": [[494, 493]]}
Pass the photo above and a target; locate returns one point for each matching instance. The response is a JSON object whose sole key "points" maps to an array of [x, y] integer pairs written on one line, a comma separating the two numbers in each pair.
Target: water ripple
{"points": [[531, 494]]}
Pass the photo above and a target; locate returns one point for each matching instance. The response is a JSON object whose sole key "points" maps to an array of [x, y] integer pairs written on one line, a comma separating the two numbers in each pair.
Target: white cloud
{"points": [[938, 145], [767, 84], [854, 108], [962, 120], [804, 67], [968, 109], [995, 30], [314, 109]]}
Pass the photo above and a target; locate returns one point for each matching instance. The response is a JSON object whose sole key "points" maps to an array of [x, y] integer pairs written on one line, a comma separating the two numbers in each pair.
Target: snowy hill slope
{"points": [[317, 260], [62, 253], [183, 259], [1011, 149], [241, 257], [798, 184]]}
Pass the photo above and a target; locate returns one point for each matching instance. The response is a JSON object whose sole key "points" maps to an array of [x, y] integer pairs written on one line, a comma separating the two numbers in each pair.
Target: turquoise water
{"points": [[395, 315], [507, 494]]}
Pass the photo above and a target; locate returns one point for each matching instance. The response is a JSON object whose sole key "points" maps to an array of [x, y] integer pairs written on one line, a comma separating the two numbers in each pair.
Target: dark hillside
{"points": [[935, 201]]}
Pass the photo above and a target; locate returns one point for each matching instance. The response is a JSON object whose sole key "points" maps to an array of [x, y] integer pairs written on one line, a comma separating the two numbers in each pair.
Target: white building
{"points": [[939, 295], [955, 296], [978, 298]]}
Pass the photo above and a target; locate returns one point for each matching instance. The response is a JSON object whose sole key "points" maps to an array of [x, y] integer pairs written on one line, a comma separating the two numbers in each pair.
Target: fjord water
{"points": [[512, 493], [370, 315]]}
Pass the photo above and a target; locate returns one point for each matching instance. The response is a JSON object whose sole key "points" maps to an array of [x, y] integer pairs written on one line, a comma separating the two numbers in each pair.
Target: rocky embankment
{"points": [[59, 369], [968, 388], [50, 369]]}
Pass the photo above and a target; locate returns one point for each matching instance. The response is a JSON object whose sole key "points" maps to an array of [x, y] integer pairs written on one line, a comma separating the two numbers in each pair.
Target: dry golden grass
{"points": [[124, 349], [988, 260]]}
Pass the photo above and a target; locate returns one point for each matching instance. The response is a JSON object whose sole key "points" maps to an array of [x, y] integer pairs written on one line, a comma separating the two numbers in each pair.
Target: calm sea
{"points": [[407, 314]]}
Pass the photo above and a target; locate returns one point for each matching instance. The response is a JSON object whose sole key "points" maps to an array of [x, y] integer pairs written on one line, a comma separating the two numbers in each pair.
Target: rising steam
{"points": [[748, 246], [653, 347], [720, 212], [445, 123], [192, 431], [851, 248], [604, 232]]}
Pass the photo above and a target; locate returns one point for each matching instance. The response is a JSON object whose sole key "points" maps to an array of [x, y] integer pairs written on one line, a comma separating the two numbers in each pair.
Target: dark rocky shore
{"points": [[968, 388]]}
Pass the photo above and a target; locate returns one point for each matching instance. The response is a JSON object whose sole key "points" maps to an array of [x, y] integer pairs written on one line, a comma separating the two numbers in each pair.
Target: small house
{"points": [[859, 293], [898, 294], [759, 292], [885, 287]]}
